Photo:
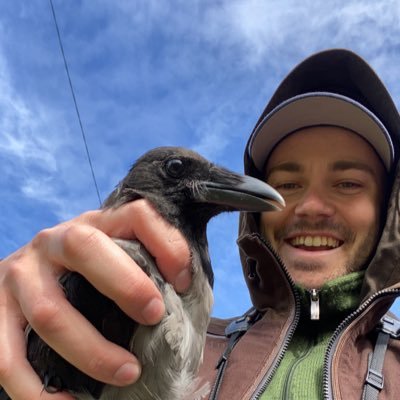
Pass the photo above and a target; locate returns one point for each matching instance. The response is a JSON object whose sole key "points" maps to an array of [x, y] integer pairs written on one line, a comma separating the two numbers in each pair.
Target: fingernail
{"points": [[182, 281], [154, 311], [127, 374]]}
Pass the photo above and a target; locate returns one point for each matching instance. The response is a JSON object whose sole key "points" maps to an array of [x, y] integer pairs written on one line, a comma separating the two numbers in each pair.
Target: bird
{"points": [[187, 190]]}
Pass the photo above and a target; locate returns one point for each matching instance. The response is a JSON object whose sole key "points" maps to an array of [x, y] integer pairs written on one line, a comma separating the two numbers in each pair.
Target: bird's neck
{"points": [[198, 241]]}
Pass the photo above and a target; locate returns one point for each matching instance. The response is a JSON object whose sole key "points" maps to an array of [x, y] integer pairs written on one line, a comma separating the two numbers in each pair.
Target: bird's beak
{"points": [[249, 194]]}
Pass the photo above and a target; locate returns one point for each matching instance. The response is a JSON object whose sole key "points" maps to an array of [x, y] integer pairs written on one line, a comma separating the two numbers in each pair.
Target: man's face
{"points": [[333, 184]]}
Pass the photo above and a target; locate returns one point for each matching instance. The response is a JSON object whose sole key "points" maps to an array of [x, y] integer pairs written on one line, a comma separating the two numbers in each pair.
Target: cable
{"points": [[75, 102]]}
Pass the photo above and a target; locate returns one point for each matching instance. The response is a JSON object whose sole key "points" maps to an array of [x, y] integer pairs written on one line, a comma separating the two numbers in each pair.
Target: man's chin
{"points": [[313, 275], [312, 282]]}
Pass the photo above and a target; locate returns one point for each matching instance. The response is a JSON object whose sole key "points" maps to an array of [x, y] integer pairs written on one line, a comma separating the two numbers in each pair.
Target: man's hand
{"points": [[30, 293]]}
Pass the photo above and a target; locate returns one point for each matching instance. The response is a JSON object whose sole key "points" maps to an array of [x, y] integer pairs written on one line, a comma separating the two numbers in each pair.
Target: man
{"points": [[321, 273], [328, 141]]}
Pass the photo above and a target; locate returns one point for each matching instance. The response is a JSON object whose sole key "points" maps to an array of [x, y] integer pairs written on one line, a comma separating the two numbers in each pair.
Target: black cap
{"points": [[334, 87]]}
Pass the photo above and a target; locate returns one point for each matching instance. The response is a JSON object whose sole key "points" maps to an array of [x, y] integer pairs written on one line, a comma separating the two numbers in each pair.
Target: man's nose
{"points": [[314, 203]]}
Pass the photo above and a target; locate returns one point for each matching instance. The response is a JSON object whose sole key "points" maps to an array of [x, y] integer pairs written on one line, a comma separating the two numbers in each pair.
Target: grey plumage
{"points": [[187, 191]]}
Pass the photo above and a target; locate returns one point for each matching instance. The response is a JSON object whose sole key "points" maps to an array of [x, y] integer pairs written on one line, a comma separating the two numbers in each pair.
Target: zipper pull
{"points": [[314, 310]]}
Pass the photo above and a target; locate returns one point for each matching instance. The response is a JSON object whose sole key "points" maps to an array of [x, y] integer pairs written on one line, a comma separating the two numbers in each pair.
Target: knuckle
{"points": [[77, 239], [177, 252], [14, 266], [88, 217], [14, 271], [45, 316], [135, 289], [142, 212], [141, 205], [41, 238], [145, 211]]}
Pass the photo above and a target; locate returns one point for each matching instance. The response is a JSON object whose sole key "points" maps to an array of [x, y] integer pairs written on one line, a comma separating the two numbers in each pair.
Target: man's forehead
{"points": [[328, 143]]}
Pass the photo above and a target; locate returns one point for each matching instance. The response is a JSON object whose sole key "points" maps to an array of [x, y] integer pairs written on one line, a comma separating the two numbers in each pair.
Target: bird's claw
{"points": [[52, 384]]}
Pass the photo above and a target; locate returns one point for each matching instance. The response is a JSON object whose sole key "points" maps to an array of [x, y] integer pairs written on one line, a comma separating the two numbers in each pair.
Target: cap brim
{"points": [[315, 109]]}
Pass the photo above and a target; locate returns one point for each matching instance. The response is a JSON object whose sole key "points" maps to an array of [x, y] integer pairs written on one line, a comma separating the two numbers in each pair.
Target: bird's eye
{"points": [[175, 168]]}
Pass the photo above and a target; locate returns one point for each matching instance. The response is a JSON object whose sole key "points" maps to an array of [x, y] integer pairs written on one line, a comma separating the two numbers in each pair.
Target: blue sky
{"points": [[148, 73]]}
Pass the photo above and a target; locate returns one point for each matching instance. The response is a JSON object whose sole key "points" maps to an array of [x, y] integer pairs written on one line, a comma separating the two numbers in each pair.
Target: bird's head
{"points": [[187, 190], [179, 183]]}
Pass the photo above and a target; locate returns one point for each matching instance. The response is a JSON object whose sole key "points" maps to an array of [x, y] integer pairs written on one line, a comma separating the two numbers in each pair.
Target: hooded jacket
{"points": [[256, 356]]}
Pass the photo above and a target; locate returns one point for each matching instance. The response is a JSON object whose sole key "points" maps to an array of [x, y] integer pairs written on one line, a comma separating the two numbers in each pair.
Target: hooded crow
{"points": [[187, 190]]}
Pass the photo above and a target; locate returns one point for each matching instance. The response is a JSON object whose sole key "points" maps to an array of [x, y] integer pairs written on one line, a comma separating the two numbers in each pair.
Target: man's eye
{"points": [[287, 186], [349, 185]]}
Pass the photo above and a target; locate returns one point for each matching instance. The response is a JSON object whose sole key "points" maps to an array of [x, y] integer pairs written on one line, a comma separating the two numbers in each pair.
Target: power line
{"points": [[75, 102]]}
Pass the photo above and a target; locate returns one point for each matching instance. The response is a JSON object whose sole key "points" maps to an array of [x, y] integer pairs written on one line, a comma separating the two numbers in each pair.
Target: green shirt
{"points": [[300, 373]]}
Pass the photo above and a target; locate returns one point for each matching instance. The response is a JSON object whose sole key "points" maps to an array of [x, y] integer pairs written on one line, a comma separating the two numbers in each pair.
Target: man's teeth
{"points": [[314, 241]]}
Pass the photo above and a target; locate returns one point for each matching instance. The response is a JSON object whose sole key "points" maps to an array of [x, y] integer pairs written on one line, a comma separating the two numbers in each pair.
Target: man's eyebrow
{"points": [[285, 167], [341, 165], [344, 165]]}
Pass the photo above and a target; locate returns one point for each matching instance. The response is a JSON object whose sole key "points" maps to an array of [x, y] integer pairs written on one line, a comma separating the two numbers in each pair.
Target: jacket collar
{"points": [[335, 300]]}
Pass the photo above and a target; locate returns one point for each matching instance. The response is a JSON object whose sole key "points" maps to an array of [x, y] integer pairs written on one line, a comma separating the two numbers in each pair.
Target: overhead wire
{"points": [[75, 102]]}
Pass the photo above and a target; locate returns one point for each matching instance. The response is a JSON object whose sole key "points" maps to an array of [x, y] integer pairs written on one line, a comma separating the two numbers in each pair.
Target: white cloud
{"points": [[42, 189], [269, 31], [212, 134], [33, 141], [23, 127]]}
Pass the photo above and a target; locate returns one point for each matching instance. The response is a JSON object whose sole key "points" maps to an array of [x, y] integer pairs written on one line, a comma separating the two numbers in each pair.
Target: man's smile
{"points": [[314, 242]]}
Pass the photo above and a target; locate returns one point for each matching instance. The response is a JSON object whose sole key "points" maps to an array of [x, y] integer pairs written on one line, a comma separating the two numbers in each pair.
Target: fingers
{"points": [[63, 328], [139, 220], [16, 375], [106, 266], [167, 246], [76, 340]]}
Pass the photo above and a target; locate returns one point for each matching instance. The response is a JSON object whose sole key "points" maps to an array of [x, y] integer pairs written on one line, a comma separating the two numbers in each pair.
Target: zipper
{"points": [[327, 378], [270, 373], [234, 331], [314, 306]]}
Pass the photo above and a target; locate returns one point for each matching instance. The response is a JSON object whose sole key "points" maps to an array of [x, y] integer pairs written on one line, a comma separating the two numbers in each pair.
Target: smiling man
{"points": [[323, 271]]}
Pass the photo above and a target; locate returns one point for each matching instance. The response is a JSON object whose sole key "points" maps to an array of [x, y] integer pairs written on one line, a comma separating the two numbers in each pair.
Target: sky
{"points": [[150, 73]]}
